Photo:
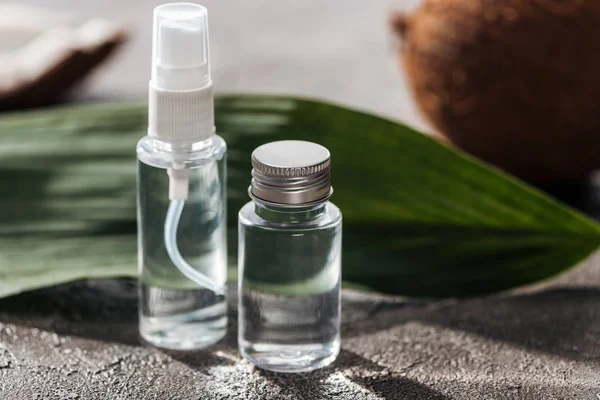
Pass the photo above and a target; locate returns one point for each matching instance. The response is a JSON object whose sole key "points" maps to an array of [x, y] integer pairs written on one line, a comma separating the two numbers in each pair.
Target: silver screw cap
{"points": [[291, 173]]}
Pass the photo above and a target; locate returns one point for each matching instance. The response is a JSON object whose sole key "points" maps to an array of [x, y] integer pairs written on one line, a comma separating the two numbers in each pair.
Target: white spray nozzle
{"points": [[180, 103], [180, 49]]}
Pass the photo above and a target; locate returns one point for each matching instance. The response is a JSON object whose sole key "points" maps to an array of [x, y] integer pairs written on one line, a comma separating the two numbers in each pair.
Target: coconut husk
{"points": [[514, 82], [59, 56]]}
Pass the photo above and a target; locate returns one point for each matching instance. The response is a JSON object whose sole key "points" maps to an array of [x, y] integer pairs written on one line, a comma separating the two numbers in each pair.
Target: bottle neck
{"points": [[166, 146], [289, 215]]}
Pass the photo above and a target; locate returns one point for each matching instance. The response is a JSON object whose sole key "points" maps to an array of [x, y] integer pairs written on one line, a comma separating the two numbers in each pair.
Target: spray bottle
{"points": [[182, 246]]}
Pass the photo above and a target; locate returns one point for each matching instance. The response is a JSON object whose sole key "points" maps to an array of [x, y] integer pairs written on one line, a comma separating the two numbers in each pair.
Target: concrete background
{"points": [[80, 341], [339, 50]]}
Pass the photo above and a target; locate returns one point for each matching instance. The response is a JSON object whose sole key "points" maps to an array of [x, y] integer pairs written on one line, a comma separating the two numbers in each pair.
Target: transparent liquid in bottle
{"points": [[289, 285], [175, 312]]}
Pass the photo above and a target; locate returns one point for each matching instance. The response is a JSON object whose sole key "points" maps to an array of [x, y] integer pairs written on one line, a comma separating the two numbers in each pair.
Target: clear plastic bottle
{"points": [[181, 190], [290, 261], [176, 312]]}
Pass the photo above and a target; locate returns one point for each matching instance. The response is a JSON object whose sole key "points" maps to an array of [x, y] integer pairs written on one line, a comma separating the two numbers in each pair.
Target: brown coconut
{"points": [[44, 53], [514, 82]]}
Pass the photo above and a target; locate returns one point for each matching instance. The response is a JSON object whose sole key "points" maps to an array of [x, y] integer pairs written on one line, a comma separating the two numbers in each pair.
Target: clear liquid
{"points": [[175, 312], [289, 311]]}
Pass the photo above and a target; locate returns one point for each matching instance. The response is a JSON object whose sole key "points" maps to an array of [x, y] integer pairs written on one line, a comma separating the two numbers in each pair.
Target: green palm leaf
{"points": [[419, 218]]}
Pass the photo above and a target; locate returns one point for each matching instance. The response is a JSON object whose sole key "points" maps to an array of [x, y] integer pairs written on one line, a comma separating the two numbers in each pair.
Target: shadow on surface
{"points": [[558, 321], [104, 310], [200, 360], [376, 379], [399, 389], [564, 322], [330, 383], [561, 321]]}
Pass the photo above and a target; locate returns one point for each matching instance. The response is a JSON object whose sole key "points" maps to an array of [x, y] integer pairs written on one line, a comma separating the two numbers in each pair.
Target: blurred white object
{"points": [[43, 53]]}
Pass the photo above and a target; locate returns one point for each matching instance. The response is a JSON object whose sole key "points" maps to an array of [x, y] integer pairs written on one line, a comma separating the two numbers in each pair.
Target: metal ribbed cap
{"points": [[291, 173]]}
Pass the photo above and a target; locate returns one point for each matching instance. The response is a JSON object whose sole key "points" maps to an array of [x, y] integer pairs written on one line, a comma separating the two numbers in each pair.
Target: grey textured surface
{"points": [[80, 341]]}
